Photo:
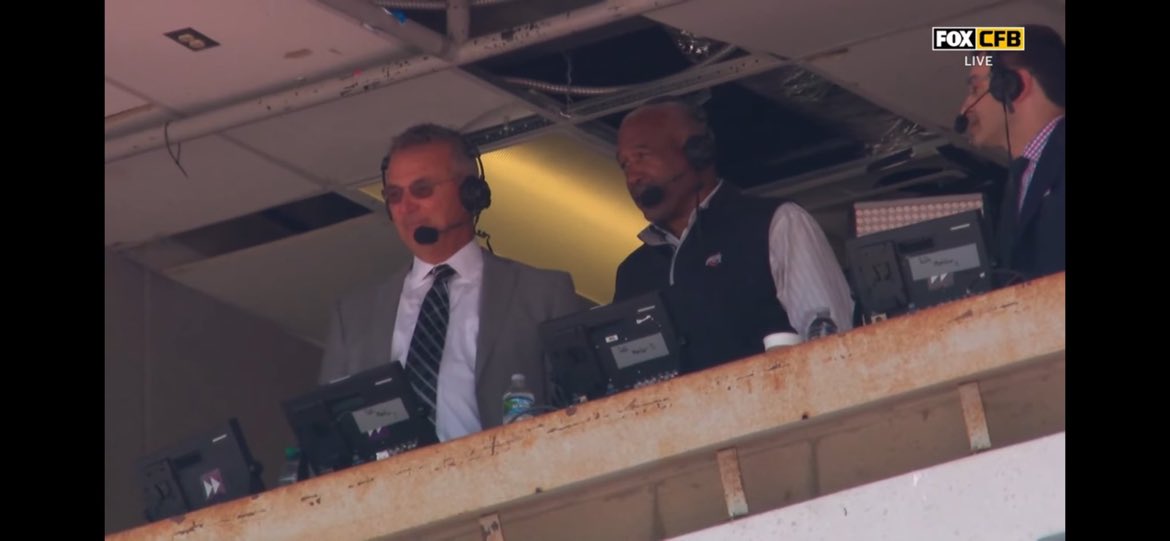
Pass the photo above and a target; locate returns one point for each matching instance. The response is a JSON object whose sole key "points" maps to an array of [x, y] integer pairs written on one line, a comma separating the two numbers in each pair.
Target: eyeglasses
{"points": [[420, 189]]}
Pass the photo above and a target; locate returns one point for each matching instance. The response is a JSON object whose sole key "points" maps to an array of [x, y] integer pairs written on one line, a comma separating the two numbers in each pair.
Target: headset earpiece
{"points": [[700, 150], [1005, 84], [474, 192]]}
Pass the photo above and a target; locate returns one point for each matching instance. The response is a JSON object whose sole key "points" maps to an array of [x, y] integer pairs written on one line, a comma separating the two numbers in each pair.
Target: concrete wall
{"points": [[1017, 492], [179, 362]]}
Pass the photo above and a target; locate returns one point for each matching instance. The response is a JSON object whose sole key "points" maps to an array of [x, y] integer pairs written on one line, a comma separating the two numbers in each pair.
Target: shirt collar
{"points": [[467, 262], [657, 236], [1036, 146]]}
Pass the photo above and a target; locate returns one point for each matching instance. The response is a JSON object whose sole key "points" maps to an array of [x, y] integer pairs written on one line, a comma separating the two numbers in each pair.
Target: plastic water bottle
{"points": [[822, 326], [291, 472], [518, 400]]}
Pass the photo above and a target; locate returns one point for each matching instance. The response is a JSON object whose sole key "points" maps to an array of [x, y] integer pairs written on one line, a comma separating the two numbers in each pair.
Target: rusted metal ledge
{"points": [[940, 348]]}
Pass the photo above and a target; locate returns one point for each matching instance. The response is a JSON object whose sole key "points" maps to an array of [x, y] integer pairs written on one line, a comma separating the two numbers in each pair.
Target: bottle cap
{"points": [[778, 339], [517, 378]]}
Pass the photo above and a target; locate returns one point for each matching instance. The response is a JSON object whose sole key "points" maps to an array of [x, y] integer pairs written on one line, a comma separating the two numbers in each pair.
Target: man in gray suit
{"points": [[460, 319]]}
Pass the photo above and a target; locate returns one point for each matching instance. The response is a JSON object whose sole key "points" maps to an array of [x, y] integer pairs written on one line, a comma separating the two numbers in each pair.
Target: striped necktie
{"points": [[426, 345]]}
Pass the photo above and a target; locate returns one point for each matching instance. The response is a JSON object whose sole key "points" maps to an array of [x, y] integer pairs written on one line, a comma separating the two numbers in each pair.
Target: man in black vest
{"points": [[740, 267], [1017, 105]]}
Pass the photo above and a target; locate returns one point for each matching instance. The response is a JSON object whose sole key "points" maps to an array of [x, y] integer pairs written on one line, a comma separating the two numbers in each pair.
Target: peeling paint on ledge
{"points": [[476, 474]]}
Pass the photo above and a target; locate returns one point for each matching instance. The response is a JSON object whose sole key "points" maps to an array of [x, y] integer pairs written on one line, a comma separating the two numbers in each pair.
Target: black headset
{"points": [[474, 192], [1005, 84], [699, 149]]}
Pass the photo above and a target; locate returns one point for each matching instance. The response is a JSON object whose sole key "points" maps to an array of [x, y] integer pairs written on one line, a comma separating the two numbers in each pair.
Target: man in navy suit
{"points": [[1017, 104]]}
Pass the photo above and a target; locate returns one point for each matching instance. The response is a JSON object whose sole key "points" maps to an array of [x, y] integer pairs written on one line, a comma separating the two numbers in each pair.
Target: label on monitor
{"points": [[369, 420], [949, 261], [639, 351]]}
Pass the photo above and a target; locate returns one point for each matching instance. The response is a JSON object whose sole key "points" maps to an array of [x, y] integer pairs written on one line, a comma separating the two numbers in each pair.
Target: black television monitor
{"points": [[916, 266], [206, 469], [612, 348], [359, 418]]}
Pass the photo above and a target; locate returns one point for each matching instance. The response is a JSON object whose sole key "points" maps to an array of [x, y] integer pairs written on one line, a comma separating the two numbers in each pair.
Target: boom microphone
{"points": [[426, 234], [651, 197], [961, 122], [654, 195]]}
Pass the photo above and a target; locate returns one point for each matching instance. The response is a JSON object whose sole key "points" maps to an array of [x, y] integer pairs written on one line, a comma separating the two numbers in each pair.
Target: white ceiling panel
{"points": [[263, 46], [343, 141], [147, 196], [924, 85], [796, 28], [118, 100], [294, 280]]}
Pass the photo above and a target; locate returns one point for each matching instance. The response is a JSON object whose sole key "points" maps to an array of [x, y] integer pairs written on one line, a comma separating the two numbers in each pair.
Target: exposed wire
{"points": [[167, 141], [487, 239]]}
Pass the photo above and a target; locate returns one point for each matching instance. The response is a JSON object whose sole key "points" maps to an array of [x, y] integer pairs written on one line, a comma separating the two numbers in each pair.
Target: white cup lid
{"points": [[777, 339]]}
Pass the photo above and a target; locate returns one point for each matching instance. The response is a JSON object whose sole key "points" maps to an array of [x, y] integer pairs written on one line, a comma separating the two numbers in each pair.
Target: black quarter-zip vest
{"points": [[723, 300]]}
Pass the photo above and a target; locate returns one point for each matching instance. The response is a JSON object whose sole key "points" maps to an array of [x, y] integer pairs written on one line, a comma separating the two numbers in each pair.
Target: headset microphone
{"points": [[426, 234], [654, 195], [961, 121], [651, 197]]}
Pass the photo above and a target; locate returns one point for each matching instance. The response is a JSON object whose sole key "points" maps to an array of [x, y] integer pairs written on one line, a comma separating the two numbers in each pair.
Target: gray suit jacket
{"points": [[515, 299]]}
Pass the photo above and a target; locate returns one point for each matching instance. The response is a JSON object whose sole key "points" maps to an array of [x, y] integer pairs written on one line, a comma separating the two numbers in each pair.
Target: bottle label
{"points": [[517, 406]]}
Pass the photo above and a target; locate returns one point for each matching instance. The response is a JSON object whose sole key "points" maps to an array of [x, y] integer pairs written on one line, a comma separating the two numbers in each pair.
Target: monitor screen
{"points": [[208, 468], [358, 418], [612, 348], [899, 270]]}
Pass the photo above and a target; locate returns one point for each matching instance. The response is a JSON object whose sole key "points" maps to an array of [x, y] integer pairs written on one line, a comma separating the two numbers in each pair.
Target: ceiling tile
{"points": [[147, 196], [343, 141], [294, 280], [264, 46]]}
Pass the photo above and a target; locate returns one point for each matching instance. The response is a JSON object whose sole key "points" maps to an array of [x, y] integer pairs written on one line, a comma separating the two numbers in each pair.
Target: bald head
{"points": [[675, 119], [652, 153]]}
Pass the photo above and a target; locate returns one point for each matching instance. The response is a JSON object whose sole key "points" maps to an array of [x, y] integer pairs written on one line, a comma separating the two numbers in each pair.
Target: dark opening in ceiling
{"points": [[270, 224], [782, 124], [636, 50], [759, 140]]}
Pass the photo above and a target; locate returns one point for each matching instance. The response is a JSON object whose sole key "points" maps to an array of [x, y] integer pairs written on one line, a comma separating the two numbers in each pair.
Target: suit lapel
{"points": [[1006, 233], [1046, 175], [495, 298]]}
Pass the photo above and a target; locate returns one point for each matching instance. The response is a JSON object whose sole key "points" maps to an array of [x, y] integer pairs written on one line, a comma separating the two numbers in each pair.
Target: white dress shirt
{"points": [[456, 409], [804, 267]]}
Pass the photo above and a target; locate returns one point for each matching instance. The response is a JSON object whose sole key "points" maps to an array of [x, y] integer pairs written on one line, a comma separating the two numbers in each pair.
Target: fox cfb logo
{"points": [[977, 38]]}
